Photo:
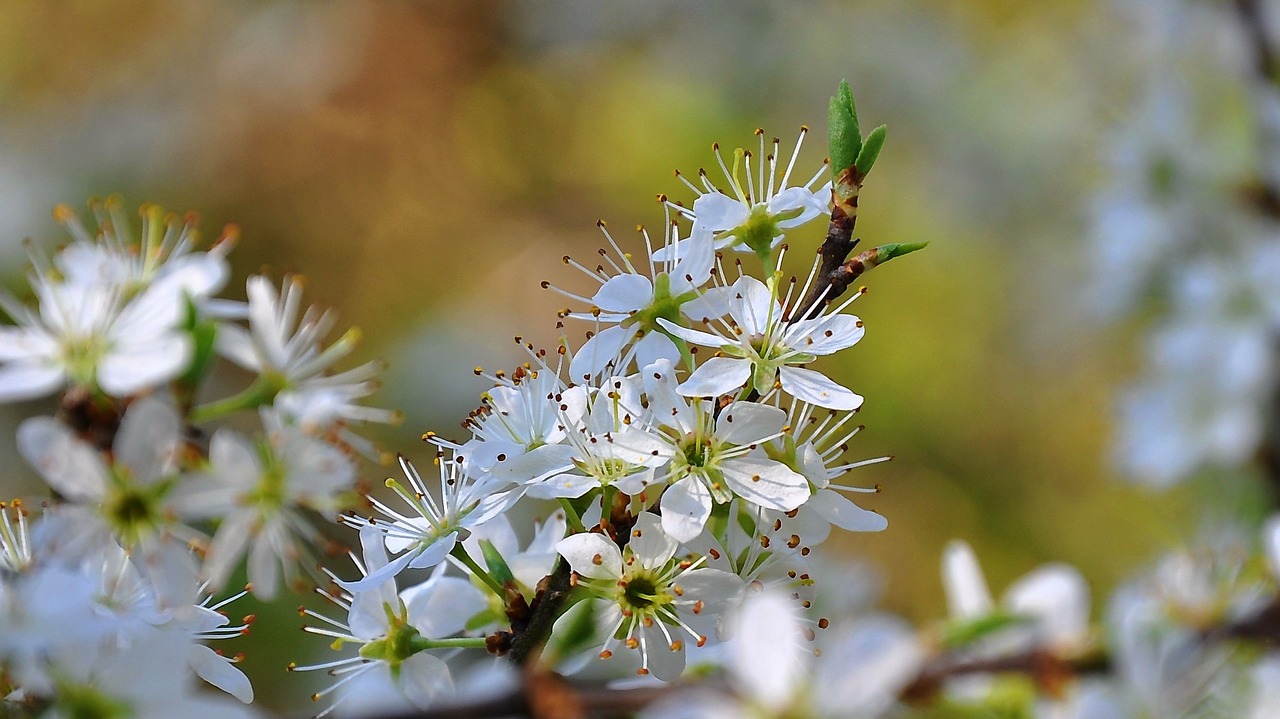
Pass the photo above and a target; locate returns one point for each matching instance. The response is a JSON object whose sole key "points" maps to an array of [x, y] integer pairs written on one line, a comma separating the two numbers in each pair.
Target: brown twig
{"points": [[832, 279]]}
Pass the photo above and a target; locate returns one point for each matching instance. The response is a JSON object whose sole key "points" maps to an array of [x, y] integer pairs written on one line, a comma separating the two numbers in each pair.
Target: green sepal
{"points": [[203, 333], [485, 618], [870, 150], [496, 565], [844, 139], [963, 634]]}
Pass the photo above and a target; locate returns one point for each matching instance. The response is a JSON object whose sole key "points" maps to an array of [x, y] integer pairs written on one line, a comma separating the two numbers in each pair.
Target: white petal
{"points": [[794, 198], [591, 555], [765, 482], [698, 337], [568, 486], [441, 606], [132, 368], [698, 256], [147, 443], [825, 335], [394, 567], [866, 667], [1057, 596], [228, 547], [767, 653], [711, 304], [70, 466], [435, 553], [666, 664], [748, 422], [599, 351], [234, 342], [21, 343], [840, 511], [716, 212], [215, 669], [1271, 543], [966, 588], [753, 306], [535, 465], [651, 546], [624, 293], [655, 346], [686, 506], [25, 380], [425, 679], [264, 567], [716, 376], [816, 388]]}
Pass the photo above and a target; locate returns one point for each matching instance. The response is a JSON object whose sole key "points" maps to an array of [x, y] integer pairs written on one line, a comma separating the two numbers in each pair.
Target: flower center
{"points": [[641, 592]]}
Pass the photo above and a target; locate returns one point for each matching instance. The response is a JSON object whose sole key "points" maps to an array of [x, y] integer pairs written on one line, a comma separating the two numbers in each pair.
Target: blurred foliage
{"points": [[427, 164]]}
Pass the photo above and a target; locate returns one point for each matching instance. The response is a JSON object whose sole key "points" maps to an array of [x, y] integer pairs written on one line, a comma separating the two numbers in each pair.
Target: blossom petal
{"points": [[698, 337], [686, 507], [27, 380], [816, 388], [131, 368], [425, 679], [842, 512], [147, 443], [966, 588], [70, 466], [591, 555], [698, 256], [716, 376], [649, 543], [220, 672], [765, 482], [655, 346], [753, 306], [748, 422], [624, 293], [767, 654], [866, 666], [1057, 596], [598, 352], [715, 212], [825, 335]]}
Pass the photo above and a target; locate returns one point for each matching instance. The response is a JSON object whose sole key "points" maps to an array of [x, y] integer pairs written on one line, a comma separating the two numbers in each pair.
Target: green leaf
{"points": [[497, 566], [844, 139], [965, 633], [870, 150], [884, 253]]}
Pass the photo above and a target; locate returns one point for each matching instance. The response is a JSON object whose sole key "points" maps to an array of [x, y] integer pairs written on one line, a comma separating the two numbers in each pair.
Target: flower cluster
{"points": [[692, 454], [155, 507]]}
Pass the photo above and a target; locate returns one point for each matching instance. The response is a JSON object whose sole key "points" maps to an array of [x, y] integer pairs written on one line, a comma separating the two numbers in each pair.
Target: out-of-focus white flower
{"points": [[708, 457], [128, 499], [256, 492], [1054, 598], [773, 674], [164, 250], [430, 532], [92, 337], [758, 347], [648, 598], [293, 365]]}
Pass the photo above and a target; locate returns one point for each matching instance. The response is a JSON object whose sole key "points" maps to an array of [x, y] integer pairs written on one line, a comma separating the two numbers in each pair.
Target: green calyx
{"points": [[85, 702], [664, 306], [401, 641]]}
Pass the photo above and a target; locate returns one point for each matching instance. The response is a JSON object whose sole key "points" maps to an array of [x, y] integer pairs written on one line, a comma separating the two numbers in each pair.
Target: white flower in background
{"points": [[757, 346], [1264, 701], [430, 531], [647, 599], [94, 338], [752, 556], [773, 673], [707, 458], [761, 205], [15, 537], [256, 491], [115, 257], [1053, 599], [394, 632], [631, 300], [127, 498], [147, 678], [287, 352]]}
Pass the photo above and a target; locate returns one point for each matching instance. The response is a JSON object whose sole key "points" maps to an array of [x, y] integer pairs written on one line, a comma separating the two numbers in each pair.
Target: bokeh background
{"points": [[426, 165]]}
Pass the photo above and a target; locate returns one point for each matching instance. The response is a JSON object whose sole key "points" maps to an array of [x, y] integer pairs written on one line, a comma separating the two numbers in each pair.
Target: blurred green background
{"points": [[426, 165]]}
